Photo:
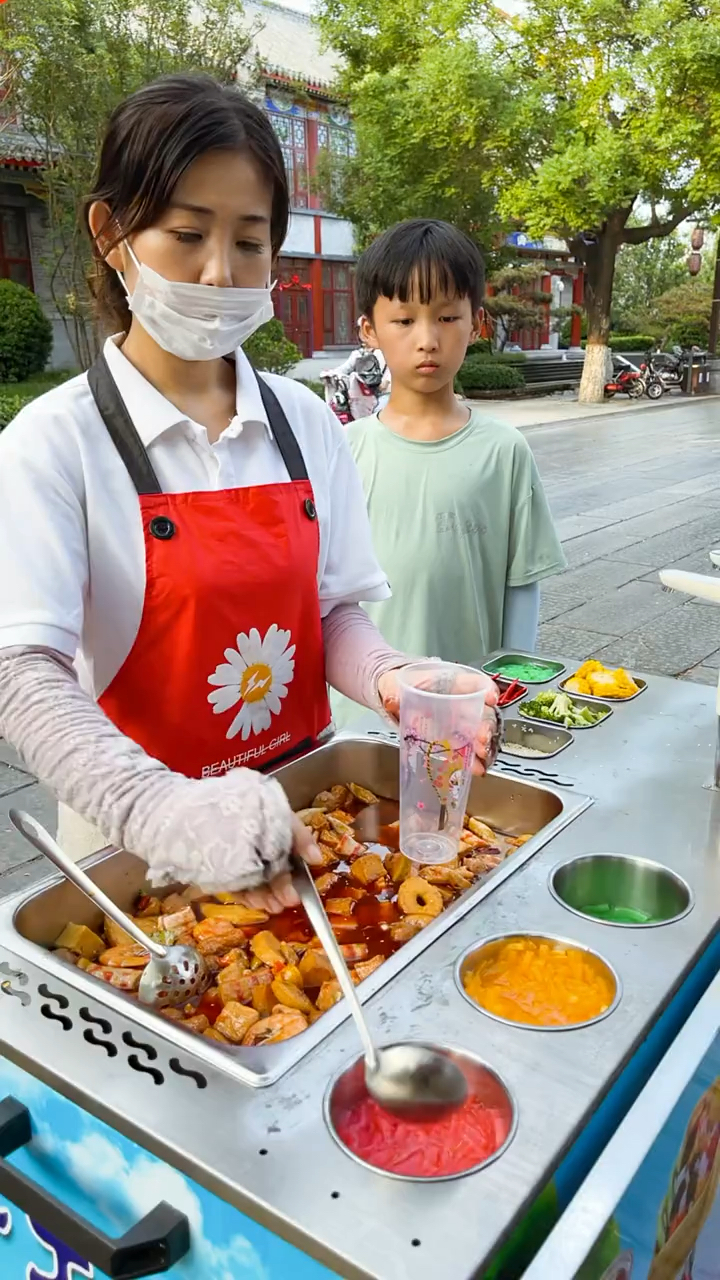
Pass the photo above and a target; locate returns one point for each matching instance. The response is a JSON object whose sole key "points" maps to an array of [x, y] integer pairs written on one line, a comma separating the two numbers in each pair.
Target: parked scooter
{"points": [[626, 379], [671, 366], [355, 388], [654, 386]]}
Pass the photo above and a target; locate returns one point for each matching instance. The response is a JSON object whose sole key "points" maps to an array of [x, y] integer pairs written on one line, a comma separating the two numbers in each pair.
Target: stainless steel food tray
{"points": [[597, 704], [593, 697], [493, 666], [521, 733], [29, 924]]}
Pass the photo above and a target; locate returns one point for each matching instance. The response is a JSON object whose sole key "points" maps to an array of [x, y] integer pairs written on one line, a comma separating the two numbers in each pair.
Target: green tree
{"points": [[682, 314], [68, 64], [615, 133], [425, 99], [642, 273]]}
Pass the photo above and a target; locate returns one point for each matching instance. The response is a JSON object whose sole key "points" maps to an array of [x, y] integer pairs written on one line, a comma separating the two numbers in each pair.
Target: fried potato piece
{"points": [[362, 794], [404, 930], [123, 979], [329, 995], [366, 967], [325, 882], [290, 996], [236, 914], [340, 906], [83, 941], [482, 830], [198, 1023], [398, 867], [133, 957], [216, 937], [212, 1033], [282, 1025], [235, 1021], [238, 983], [263, 1000], [315, 968], [354, 951], [266, 947], [316, 819], [148, 906], [367, 869]]}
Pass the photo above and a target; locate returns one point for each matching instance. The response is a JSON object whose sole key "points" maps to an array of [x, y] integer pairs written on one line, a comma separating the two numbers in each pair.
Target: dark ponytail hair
{"points": [[150, 140]]}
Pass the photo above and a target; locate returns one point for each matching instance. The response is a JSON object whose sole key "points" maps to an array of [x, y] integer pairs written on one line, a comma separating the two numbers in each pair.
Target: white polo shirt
{"points": [[72, 559]]}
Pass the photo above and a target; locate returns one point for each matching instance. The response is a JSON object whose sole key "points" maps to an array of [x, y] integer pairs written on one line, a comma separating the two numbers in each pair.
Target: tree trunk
{"points": [[598, 257]]}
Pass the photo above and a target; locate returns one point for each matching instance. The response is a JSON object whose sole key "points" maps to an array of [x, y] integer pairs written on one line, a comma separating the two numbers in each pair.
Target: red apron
{"points": [[227, 667]]}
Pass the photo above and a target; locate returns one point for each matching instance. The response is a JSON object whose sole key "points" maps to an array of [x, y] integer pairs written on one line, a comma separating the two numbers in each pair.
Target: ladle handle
{"points": [[36, 835], [312, 902]]}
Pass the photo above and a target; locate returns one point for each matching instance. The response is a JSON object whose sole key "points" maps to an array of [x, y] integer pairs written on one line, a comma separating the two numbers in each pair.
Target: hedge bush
{"points": [[25, 333], [11, 402], [478, 373], [269, 349], [630, 341], [482, 351]]}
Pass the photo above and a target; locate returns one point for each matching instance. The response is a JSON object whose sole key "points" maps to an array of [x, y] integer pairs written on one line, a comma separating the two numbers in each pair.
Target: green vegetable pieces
{"points": [[559, 708]]}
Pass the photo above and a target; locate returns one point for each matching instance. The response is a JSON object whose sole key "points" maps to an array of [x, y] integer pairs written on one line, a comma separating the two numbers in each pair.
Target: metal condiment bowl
{"points": [[348, 1087], [634, 883], [469, 959]]}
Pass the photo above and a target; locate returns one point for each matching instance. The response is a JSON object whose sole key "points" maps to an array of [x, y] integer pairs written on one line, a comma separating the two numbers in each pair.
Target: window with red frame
{"points": [[15, 261], [291, 131], [338, 305]]}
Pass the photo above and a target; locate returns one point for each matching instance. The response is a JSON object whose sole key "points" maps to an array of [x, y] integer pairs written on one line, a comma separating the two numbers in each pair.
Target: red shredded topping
{"points": [[454, 1144]]}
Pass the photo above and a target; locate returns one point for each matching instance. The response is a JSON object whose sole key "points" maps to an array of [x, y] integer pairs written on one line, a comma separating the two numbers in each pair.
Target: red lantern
{"points": [[697, 239], [694, 263]]}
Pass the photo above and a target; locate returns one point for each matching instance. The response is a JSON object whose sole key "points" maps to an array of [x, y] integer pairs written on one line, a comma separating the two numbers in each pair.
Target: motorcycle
{"points": [[671, 366], [353, 390], [654, 386], [626, 379]]}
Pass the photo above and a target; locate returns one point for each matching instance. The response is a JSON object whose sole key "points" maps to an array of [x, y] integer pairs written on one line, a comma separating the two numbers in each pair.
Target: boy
{"points": [[459, 518]]}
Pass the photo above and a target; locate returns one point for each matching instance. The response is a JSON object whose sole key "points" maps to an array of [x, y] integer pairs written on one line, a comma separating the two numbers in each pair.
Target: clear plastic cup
{"points": [[441, 707]]}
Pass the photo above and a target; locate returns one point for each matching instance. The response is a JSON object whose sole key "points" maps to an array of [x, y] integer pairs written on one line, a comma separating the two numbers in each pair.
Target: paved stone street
{"points": [[632, 491]]}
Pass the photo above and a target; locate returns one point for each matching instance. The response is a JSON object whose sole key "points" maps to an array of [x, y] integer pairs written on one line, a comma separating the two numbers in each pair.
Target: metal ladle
{"points": [[174, 974], [412, 1081]]}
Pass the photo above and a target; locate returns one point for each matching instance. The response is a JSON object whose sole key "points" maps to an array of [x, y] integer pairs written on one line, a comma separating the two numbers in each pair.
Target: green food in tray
{"points": [[560, 709]]}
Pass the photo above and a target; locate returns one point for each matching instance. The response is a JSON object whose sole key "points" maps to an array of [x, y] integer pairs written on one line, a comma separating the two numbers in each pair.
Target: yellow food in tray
{"points": [[600, 682], [271, 978]]}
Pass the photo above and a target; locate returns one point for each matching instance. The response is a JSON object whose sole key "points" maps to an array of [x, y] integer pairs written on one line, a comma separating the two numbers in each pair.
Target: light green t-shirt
{"points": [[454, 523]]}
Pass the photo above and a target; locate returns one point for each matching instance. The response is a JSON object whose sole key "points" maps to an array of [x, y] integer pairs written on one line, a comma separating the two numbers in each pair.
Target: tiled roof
{"points": [[19, 149], [288, 45]]}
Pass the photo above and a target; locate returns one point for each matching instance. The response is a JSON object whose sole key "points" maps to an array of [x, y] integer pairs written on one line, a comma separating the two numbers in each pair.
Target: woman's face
{"points": [[215, 231]]}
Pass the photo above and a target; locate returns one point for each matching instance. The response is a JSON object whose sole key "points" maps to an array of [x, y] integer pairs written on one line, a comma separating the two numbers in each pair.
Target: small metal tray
{"points": [[494, 667], [523, 733], [580, 700], [593, 697]]}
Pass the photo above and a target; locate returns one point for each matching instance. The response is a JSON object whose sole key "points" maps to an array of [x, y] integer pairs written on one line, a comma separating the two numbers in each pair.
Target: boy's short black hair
{"points": [[422, 254]]}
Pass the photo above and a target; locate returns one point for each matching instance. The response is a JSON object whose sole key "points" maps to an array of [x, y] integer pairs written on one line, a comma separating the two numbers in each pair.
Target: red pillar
{"points": [[576, 320], [318, 323], [546, 286]]}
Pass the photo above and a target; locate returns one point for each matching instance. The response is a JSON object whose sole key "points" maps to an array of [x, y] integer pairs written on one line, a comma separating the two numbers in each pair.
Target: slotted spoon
{"points": [[174, 974]]}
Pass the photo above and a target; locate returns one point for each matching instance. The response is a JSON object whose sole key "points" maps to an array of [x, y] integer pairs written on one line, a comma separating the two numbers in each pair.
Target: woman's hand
{"points": [[279, 894], [487, 742]]}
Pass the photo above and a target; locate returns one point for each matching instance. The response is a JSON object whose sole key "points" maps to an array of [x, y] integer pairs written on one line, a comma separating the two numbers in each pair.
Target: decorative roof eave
{"points": [[315, 87], [19, 162]]}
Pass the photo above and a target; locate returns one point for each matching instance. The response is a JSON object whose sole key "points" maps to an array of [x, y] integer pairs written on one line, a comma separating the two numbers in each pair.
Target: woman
{"points": [[184, 543]]}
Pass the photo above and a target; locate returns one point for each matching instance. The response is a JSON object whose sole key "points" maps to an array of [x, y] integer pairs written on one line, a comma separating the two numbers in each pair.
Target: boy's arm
{"points": [[521, 616]]}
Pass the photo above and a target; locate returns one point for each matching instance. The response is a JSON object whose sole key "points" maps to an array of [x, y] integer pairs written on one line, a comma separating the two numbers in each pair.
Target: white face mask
{"points": [[195, 321]]}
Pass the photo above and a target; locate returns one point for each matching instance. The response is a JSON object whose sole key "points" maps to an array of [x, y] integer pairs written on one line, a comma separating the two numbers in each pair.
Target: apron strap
{"points": [[124, 434], [121, 428], [283, 433]]}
